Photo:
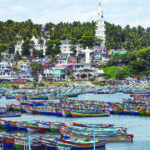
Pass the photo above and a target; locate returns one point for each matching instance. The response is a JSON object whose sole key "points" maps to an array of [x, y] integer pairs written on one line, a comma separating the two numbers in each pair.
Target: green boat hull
{"points": [[54, 130], [116, 112], [20, 147], [142, 114], [3, 127]]}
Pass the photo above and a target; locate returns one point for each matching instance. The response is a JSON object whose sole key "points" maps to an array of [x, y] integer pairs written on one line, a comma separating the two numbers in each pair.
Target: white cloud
{"points": [[121, 12]]}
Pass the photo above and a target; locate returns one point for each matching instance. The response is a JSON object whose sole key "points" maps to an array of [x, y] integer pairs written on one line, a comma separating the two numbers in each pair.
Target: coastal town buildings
{"points": [[38, 44], [83, 62]]}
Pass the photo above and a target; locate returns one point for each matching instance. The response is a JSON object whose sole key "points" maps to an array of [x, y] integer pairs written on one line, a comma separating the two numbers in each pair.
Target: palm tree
{"points": [[41, 42], [36, 69]]}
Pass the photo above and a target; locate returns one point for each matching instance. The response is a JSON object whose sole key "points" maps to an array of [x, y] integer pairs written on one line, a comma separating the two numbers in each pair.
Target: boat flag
{"points": [[18, 134]]}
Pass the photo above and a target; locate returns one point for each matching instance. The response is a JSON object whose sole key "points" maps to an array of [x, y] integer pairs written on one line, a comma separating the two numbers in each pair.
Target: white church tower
{"points": [[100, 31]]}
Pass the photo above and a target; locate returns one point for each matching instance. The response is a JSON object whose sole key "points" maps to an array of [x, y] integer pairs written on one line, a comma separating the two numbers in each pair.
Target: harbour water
{"points": [[139, 126]]}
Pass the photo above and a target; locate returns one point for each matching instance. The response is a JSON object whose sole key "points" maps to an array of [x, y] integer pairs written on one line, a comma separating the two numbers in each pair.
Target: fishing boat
{"points": [[11, 125], [32, 127], [78, 144], [43, 127], [10, 114], [93, 125], [3, 124], [21, 126], [20, 143], [54, 126], [89, 114], [8, 142]]}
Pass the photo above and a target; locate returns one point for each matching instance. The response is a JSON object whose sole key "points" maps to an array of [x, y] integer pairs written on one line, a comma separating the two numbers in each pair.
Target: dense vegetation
{"points": [[116, 36], [133, 39], [131, 64]]}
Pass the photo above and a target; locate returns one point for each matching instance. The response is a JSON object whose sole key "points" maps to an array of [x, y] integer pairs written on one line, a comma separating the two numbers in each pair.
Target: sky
{"points": [[119, 12]]}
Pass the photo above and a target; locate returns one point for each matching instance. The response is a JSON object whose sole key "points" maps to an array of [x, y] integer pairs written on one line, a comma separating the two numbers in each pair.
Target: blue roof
{"points": [[6, 69], [27, 71], [45, 29]]}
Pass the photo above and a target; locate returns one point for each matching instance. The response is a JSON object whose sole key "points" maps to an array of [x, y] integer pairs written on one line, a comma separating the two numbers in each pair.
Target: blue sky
{"points": [[122, 12]]}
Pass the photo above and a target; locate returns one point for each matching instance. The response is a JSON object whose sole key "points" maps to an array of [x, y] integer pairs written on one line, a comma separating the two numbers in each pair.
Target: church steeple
{"points": [[100, 31]]}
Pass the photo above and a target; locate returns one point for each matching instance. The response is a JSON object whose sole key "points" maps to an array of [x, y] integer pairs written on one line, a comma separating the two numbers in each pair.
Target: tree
{"points": [[53, 47], [11, 47], [115, 72], [87, 41], [69, 72], [138, 68], [17, 56], [53, 59], [34, 84], [143, 53], [36, 69], [26, 48], [1, 57], [37, 53], [3, 47]]}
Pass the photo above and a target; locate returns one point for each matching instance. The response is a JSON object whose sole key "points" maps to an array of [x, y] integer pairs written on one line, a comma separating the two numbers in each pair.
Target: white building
{"points": [[100, 32], [6, 64], [48, 73], [66, 47], [37, 45], [25, 66], [5, 74]]}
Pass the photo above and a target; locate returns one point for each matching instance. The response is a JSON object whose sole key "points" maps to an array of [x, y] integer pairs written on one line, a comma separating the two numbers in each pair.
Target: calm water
{"points": [[138, 126]]}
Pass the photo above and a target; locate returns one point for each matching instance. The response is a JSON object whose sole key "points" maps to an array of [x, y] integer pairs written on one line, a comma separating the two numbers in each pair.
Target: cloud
{"points": [[121, 12]]}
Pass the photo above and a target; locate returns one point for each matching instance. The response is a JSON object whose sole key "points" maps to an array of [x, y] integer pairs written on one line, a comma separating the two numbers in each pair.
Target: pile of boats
{"points": [[74, 136], [80, 108]]}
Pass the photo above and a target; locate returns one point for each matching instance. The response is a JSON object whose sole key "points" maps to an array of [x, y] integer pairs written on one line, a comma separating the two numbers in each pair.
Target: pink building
{"points": [[62, 64]]}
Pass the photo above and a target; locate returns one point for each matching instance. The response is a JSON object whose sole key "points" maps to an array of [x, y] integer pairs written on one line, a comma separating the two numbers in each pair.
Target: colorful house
{"points": [[59, 73]]}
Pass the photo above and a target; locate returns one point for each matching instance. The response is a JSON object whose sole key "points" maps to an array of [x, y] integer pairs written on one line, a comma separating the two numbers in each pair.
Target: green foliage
{"points": [[87, 41], [3, 47], [53, 47], [41, 84], [115, 72], [35, 84], [37, 53], [143, 53], [69, 72], [26, 47], [17, 56], [139, 68], [130, 38], [11, 47], [100, 83], [36, 68], [15, 68]]}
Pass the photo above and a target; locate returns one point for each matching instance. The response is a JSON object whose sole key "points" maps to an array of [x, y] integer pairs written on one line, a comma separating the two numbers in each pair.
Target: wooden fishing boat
{"points": [[32, 127], [8, 142], [54, 126], [108, 138], [10, 97], [11, 125], [20, 143], [40, 97], [43, 127], [21, 126], [50, 142], [10, 114], [93, 125], [3, 124], [75, 144], [89, 114]]}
